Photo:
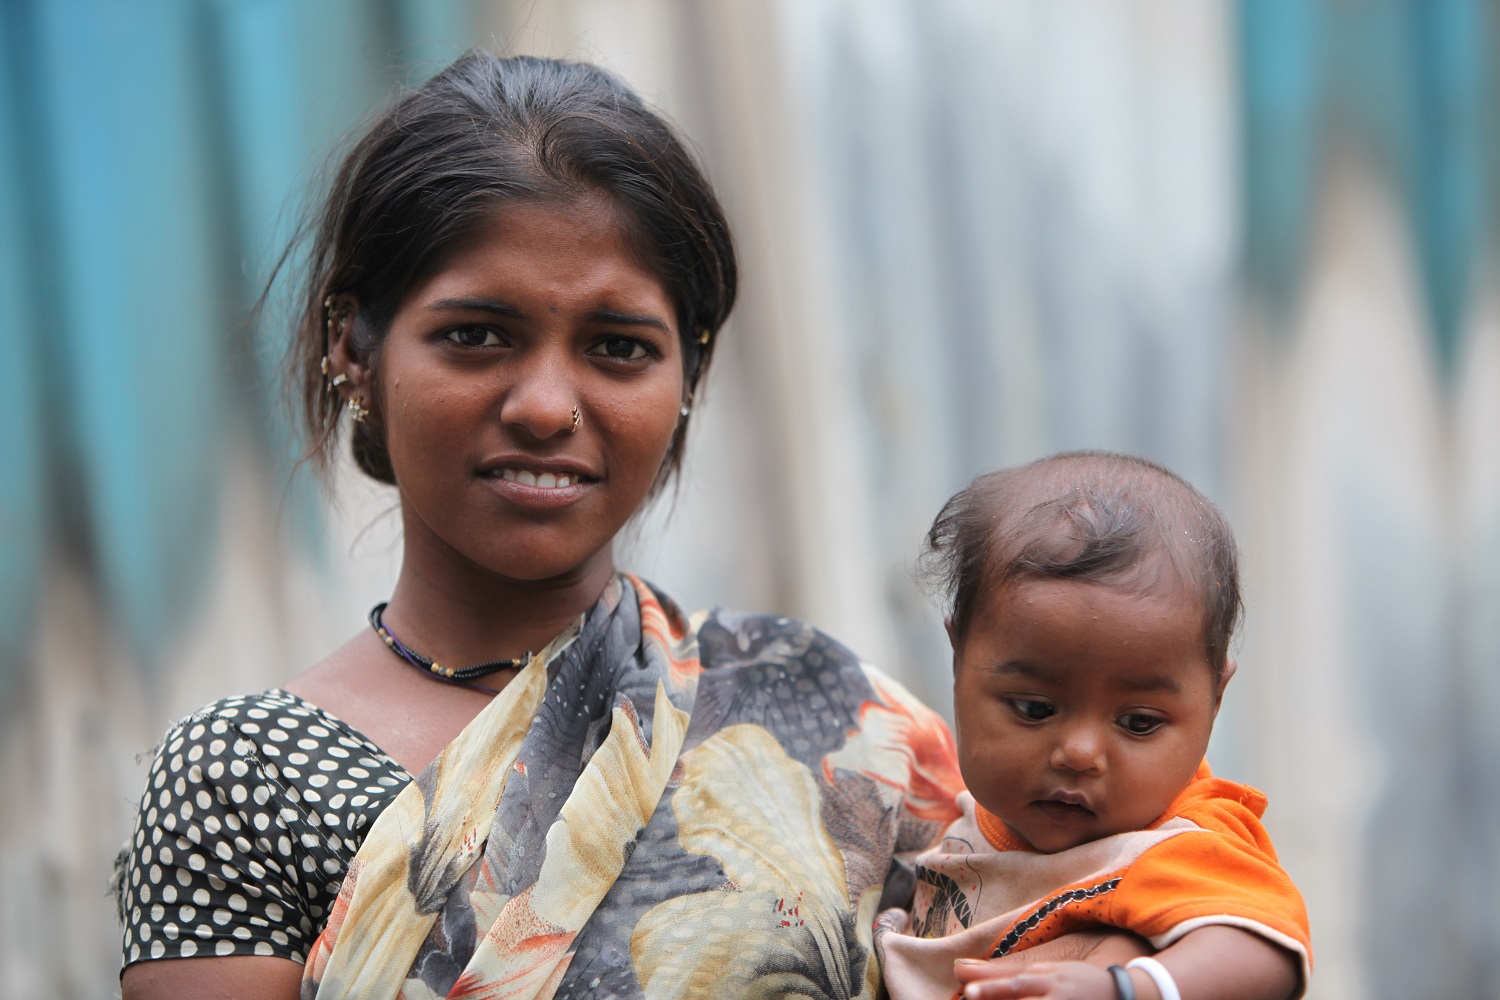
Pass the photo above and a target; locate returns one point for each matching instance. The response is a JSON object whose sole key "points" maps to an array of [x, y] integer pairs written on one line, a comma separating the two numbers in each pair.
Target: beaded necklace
{"points": [[457, 675]]}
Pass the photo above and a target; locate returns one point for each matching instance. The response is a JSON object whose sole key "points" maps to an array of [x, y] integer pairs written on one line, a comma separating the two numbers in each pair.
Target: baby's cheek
{"points": [[987, 770]]}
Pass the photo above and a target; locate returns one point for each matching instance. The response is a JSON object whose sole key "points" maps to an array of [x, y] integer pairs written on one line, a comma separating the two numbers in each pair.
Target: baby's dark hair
{"points": [[1091, 516]]}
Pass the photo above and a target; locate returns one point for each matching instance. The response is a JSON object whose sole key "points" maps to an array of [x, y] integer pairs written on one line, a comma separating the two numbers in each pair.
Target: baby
{"points": [[1091, 601]]}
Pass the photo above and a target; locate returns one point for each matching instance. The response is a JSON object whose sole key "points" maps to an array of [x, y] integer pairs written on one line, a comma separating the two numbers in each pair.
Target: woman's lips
{"points": [[538, 490], [544, 480]]}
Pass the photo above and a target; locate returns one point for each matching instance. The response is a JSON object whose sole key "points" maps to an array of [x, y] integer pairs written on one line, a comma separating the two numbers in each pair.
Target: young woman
{"points": [[533, 775]]}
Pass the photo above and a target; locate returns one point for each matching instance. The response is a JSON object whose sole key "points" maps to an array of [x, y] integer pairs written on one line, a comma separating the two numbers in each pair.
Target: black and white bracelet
{"points": [[1165, 984], [1124, 988]]}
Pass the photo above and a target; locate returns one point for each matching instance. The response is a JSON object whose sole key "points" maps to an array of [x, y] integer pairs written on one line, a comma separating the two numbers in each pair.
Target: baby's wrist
{"points": [[1145, 986], [1131, 982], [1163, 985]]}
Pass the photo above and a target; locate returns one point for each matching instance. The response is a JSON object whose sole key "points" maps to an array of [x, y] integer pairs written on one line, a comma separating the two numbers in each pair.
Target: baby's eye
{"points": [[474, 336], [1137, 724], [1032, 711], [620, 349]]}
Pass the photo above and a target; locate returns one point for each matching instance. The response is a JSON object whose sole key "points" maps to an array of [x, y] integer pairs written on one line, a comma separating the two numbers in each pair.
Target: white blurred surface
{"points": [[970, 235]]}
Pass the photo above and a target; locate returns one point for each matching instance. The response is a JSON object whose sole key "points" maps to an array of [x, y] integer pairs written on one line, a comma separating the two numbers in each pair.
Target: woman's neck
{"points": [[467, 618]]}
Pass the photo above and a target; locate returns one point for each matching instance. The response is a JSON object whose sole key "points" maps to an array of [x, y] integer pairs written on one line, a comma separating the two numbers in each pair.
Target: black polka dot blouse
{"points": [[253, 809]]}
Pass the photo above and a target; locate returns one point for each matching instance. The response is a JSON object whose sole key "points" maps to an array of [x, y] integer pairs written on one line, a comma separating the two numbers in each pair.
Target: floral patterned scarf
{"points": [[655, 807]]}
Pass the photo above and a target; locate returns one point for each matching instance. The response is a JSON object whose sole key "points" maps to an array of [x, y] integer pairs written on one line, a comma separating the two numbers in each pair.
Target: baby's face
{"points": [[1082, 710]]}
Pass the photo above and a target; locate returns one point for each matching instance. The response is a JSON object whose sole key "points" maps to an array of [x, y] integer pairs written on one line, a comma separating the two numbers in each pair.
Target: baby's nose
{"points": [[1080, 749]]}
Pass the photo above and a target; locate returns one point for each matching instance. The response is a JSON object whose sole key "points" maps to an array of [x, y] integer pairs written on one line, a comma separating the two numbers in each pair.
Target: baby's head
{"points": [[1091, 598]]}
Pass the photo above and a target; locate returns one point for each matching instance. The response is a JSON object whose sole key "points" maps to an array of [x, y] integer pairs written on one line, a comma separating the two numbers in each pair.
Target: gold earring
{"points": [[334, 320], [703, 336], [330, 384], [357, 410], [577, 420]]}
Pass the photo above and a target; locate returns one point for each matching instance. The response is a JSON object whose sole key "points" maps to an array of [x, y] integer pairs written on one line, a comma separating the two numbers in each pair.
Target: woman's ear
{"points": [[347, 373]]}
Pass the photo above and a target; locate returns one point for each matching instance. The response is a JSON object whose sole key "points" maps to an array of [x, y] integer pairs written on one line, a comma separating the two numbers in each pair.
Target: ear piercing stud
{"points": [[330, 384]]}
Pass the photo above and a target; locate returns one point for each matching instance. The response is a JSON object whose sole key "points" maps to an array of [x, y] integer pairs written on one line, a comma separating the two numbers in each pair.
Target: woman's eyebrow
{"points": [[477, 305], [612, 316], [628, 319]]}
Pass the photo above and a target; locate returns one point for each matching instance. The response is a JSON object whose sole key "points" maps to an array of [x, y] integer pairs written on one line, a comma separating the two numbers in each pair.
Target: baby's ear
{"points": [[952, 635], [1229, 668]]}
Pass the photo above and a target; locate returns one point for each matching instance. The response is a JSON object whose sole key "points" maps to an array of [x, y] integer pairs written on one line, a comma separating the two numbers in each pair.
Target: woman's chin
{"points": [[546, 571]]}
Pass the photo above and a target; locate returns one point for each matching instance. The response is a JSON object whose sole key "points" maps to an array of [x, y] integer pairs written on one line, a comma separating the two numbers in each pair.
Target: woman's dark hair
{"points": [[430, 172], [1091, 516]]}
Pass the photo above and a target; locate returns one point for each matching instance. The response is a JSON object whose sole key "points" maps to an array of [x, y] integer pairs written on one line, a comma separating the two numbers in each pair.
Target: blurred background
{"points": [[1254, 241]]}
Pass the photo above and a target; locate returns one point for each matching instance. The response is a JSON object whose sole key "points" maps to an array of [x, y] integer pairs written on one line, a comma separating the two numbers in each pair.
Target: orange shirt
{"points": [[980, 893]]}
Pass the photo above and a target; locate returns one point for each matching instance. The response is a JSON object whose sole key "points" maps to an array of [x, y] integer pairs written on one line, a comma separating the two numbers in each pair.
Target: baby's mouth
{"points": [[1065, 807]]}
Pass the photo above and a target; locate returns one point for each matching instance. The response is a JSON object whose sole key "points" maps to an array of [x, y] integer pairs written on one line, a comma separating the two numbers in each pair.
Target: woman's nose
{"points": [[542, 397]]}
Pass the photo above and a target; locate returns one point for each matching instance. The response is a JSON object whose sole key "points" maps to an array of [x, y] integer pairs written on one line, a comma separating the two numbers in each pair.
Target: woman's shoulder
{"points": [[798, 672], [274, 722], [293, 750], [253, 806], [255, 707], [729, 639], [727, 636]]}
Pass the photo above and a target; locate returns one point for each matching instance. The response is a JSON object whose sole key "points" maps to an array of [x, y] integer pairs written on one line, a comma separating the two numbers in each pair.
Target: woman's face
{"points": [[477, 384]]}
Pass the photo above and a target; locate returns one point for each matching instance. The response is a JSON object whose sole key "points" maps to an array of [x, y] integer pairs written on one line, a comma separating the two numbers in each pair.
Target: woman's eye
{"points": [[1032, 711], [474, 336], [1140, 725], [620, 349]]}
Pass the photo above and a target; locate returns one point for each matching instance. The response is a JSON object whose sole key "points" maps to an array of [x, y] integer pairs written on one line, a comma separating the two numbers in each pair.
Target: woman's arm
{"points": [[237, 977], [1211, 963], [224, 858]]}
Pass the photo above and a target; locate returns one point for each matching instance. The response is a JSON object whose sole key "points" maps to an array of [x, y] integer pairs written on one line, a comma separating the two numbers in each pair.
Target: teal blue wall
{"points": [[154, 158]]}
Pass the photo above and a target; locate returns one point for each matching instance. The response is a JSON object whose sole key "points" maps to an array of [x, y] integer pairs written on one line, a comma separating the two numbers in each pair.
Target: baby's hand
{"points": [[1054, 980]]}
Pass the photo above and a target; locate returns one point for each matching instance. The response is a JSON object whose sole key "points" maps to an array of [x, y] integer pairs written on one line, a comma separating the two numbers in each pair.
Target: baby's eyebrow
{"points": [[1152, 682], [1027, 669], [1044, 674]]}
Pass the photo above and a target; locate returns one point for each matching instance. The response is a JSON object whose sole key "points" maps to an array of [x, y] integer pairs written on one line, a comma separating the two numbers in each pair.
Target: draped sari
{"points": [[653, 807]]}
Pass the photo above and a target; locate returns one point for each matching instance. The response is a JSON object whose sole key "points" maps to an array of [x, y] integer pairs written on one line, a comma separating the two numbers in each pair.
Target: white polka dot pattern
{"points": [[253, 809]]}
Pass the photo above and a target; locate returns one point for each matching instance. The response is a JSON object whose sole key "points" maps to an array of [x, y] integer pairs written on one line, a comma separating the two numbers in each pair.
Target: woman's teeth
{"points": [[545, 480]]}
